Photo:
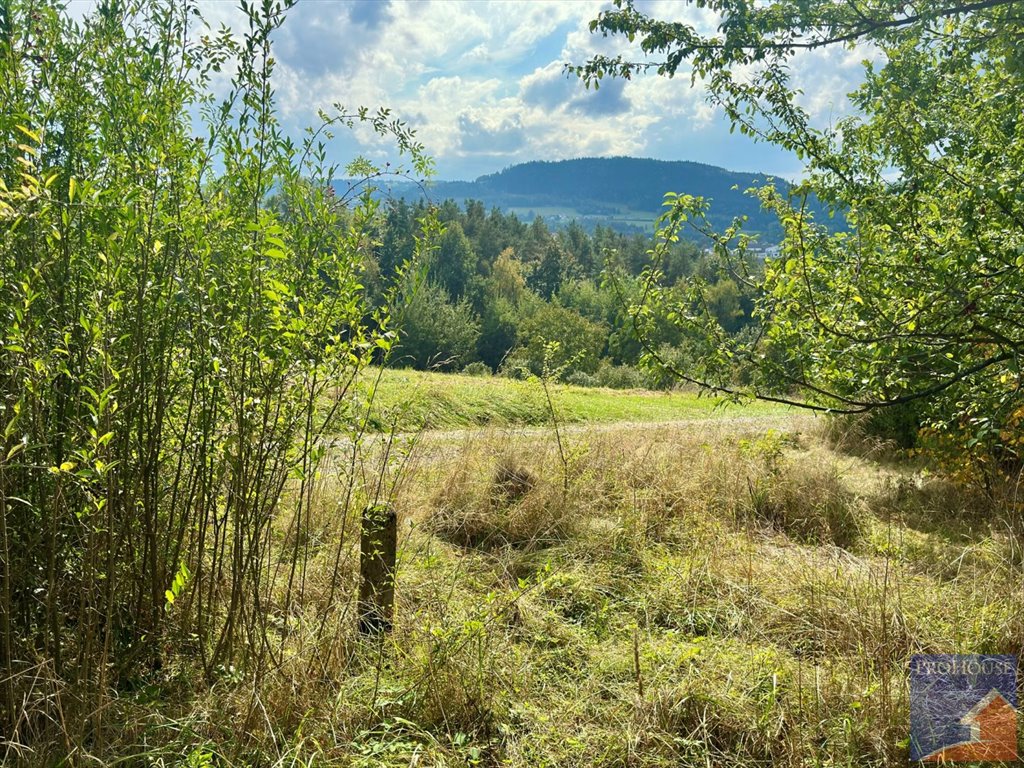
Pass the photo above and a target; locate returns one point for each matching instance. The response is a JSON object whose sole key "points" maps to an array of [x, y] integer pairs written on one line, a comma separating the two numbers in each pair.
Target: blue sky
{"points": [[484, 87]]}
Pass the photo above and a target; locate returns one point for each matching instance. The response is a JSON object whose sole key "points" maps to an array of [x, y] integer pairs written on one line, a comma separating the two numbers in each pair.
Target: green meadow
{"points": [[411, 400]]}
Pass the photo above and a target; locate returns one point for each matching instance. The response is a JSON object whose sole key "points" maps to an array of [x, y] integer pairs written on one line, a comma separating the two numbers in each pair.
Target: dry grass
{"points": [[690, 596]]}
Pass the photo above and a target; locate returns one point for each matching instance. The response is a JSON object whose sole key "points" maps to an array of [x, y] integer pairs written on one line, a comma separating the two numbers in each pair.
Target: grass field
{"points": [[414, 399], [663, 583], [706, 593]]}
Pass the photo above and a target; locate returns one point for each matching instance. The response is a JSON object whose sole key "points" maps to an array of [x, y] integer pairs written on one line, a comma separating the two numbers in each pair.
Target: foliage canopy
{"points": [[922, 298], [183, 318]]}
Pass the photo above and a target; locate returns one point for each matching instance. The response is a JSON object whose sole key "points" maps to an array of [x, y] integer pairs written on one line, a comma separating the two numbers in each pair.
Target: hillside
{"points": [[409, 400], [625, 193]]}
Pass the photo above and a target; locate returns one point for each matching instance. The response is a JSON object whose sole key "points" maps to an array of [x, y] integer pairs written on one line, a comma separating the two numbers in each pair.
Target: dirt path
{"points": [[443, 444], [716, 424]]}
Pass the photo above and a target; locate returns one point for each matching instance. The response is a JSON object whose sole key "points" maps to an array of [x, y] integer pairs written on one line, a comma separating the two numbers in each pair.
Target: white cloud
{"points": [[548, 86], [484, 82]]}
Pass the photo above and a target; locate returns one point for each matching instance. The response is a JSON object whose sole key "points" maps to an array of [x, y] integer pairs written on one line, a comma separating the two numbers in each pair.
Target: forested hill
{"points": [[623, 182], [625, 193]]}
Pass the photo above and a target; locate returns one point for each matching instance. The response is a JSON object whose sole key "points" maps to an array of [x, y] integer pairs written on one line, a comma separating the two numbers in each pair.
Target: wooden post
{"points": [[378, 545]]}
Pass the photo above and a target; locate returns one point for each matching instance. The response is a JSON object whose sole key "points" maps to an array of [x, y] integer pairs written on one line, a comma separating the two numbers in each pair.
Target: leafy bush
{"points": [[898, 427], [478, 368], [435, 332], [619, 376], [580, 340], [660, 374], [898, 424], [175, 344], [581, 379]]}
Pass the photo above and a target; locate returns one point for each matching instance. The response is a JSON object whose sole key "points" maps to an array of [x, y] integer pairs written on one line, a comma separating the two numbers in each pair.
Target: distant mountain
{"points": [[622, 192]]}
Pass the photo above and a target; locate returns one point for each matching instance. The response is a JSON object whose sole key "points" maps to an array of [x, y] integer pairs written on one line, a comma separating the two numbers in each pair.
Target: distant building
{"points": [[766, 252]]}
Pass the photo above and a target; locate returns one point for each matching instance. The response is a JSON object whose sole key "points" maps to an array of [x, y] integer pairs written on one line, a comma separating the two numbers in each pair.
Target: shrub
{"points": [[580, 340], [898, 424], [675, 358], [172, 336], [434, 331], [581, 379], [618, 376], [478, 368]]}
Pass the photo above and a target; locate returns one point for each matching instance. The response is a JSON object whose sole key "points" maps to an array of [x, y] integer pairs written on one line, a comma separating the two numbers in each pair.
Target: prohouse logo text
{"points": [[963, 708]]}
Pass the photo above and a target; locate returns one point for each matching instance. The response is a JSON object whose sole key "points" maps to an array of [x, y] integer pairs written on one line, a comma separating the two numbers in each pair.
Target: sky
{"points": [[483, 84]]}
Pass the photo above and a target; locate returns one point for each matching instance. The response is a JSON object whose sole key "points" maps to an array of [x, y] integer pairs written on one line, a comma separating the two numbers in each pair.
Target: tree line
{"points": [[496, 290], [917, 309]]}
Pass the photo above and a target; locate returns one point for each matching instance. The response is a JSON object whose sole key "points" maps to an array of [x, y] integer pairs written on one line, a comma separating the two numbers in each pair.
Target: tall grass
{"points": [[655, 615], [180, 293]]}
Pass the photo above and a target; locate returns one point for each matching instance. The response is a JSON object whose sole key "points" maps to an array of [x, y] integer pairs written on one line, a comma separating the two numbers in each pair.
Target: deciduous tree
{"points": [[921, 296]]}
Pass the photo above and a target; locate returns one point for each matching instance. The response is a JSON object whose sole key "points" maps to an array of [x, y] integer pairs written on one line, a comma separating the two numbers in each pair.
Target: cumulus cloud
{"points": [[609, 99], [309, 42], [548, 87], [484, 83], [482, 134], [370, 14]]}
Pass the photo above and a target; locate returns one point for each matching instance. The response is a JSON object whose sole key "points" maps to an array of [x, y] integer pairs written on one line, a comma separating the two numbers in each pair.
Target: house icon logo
{"points": [[963, 708]]}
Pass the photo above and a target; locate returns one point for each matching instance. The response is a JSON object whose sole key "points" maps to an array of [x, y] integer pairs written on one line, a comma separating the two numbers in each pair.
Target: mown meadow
{"points": [[407, 400]]}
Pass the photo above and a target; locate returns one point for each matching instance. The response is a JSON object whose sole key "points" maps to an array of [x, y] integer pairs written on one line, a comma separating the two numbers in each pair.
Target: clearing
{"points": [[410, 400], [737, 588]]}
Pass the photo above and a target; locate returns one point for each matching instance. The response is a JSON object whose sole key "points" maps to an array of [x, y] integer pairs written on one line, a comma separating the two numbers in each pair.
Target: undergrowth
{"points": [[700, 596]]}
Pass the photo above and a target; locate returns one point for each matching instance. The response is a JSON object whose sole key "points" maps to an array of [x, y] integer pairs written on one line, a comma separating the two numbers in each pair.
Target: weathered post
{"points": [[378, 545]]}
